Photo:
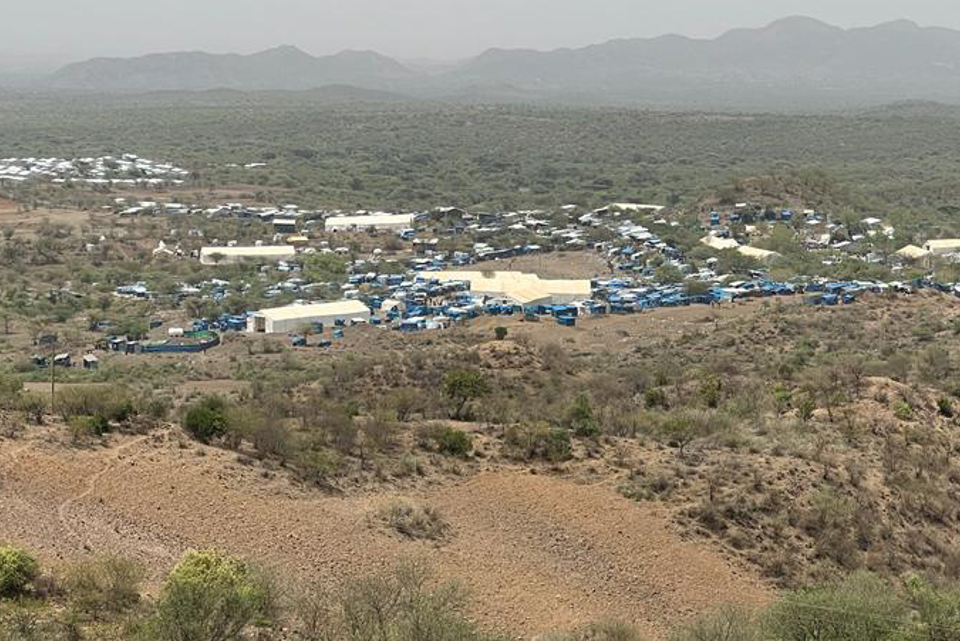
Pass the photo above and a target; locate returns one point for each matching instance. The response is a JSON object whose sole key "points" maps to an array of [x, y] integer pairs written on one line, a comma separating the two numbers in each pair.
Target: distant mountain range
{"points": [[795, 63], [285, 68]]}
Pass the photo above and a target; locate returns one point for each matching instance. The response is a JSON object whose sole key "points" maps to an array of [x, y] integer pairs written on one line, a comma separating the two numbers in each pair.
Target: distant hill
{"points": [[792, 64], [284, 67]]}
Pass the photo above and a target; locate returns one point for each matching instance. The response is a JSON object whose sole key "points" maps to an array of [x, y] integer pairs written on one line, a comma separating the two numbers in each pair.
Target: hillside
{"points": [[535, 551]]}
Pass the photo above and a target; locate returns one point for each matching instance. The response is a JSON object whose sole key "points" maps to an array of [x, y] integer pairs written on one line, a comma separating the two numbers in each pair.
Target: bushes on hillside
{"points": [[446, 440], [581, 418], [537, 441], [18, 570], [414, 521], [107, 404], [206, 419]]}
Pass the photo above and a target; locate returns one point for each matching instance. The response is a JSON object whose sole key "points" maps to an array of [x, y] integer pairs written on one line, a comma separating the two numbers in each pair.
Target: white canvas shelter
{"points": [[265, 253], [634, 207], [518, 287], [721, 244], [718, 243], [285, 320], [757, 253], [369, 221], [912, 252]]}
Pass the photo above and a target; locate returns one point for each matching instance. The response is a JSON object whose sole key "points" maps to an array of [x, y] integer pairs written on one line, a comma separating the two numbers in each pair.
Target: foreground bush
{"points": [[104, 585], [400, 605], [18, 570], [210, 597]]}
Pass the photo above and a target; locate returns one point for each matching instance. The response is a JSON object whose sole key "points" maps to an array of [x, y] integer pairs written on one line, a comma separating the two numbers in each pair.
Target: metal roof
{"points": [[344, 308]]}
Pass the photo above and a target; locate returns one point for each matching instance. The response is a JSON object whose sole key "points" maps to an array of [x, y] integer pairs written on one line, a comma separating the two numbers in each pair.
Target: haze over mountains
{"points": [[795, 63]]}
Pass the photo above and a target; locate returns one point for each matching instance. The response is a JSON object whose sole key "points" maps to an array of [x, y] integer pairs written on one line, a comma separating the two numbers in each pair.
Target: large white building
{"points": [[264, 253], [943, 246], [518, 287], [363, 222], [285, 320]]}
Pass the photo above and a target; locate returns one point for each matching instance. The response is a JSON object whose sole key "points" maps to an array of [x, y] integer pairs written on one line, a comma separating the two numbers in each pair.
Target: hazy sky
{"points": [[58, 30]]}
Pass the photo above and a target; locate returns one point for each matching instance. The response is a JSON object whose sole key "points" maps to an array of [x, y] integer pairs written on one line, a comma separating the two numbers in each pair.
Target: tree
{"points": [[18, 570], [668, 275], [462, 386], [683, 428], [210, 597]]}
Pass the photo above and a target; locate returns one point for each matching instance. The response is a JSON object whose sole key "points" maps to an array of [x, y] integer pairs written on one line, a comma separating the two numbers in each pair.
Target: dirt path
{"points": [[116, 456], [536, 553]]}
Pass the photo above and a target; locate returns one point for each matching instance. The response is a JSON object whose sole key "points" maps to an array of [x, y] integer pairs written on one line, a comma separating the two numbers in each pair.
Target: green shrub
{"points": [[107, 403], [447, 440], [945, 407], [902, 410], [581, 419], [318, 465], [537, 440], [862, 607], [210, 597], [655, 397], [500, 333], [85, 428], [18, 570], [206, 419]]}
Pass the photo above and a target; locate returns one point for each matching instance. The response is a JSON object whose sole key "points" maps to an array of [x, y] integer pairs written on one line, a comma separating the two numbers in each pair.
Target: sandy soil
{"points": [[536, 552]]}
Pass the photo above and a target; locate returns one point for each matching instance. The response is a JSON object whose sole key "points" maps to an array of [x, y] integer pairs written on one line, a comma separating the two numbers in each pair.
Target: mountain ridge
{"points": [[792, 61]]}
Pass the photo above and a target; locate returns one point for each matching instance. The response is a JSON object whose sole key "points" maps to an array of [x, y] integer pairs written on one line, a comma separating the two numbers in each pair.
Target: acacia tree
{"points": [[683, 428], [461, 387]]}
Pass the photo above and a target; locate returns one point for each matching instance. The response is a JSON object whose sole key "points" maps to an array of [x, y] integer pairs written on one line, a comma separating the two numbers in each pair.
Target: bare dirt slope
{"points": [[537, 552]]}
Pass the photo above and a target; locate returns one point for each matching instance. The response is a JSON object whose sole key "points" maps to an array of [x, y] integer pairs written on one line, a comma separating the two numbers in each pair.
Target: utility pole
{"points": [[53, 380], [50, 340]]}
